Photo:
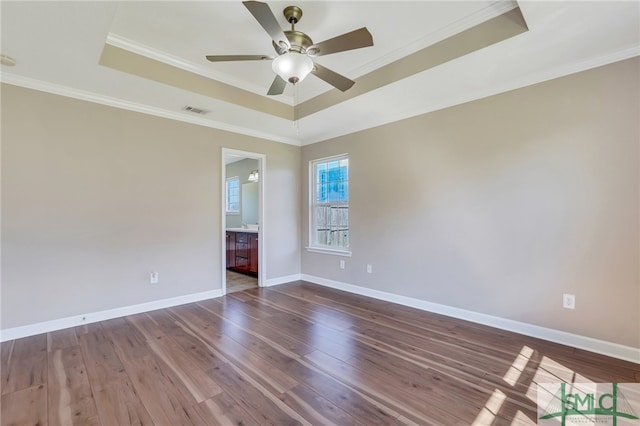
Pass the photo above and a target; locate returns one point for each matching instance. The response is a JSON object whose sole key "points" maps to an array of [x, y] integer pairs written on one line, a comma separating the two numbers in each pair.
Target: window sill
{"points": [[335, 252]]}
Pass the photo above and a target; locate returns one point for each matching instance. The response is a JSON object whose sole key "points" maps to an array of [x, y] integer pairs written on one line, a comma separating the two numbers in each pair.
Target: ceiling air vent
{"points": [[196, 110]]}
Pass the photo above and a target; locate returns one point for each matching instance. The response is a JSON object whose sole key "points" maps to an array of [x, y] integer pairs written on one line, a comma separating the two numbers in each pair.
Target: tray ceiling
{"points": [[149, 56]]}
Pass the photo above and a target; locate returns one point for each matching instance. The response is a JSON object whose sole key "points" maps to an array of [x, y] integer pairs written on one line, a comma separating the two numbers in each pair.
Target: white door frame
{"points": [[262, 166]]}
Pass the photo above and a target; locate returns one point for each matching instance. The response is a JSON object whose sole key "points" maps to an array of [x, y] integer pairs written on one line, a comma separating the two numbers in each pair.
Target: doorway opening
{"points": [[243, 255]]}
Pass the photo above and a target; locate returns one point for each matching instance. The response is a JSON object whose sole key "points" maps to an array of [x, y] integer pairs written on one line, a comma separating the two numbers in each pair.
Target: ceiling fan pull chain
{"points": [[296, 101]]}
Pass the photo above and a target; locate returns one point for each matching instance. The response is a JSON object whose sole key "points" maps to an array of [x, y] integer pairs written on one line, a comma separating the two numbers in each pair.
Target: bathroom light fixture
{"points": [[292, 66], [253, 176]]}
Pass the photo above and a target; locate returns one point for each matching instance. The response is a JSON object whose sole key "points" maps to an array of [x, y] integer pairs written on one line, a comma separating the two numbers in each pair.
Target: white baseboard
{"points": [[603, 347], [282, 280], [73, 321]]}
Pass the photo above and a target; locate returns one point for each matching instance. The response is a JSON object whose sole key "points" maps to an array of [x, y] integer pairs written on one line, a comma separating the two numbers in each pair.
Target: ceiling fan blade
{"points": [[354, 40], [338, 81], [277, 87], [227, 58], [265, 17]]}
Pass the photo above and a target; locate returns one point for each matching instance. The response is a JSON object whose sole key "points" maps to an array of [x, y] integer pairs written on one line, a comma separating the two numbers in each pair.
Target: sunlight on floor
{"points": [[521, 419], [548, 373], [515, 371], [551, 372], [490, 409]]}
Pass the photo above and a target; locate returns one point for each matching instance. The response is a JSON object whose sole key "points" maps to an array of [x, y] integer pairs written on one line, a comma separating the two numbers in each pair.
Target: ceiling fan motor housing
{"points": [[293, 14], [298, 40]]}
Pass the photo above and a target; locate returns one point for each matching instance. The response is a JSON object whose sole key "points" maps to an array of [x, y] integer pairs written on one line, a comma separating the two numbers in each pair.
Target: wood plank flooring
{"points": [[292, 354]]}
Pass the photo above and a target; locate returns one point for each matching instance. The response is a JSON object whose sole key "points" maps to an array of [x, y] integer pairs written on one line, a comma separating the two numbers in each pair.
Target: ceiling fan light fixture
{"points": [[292, 66]]}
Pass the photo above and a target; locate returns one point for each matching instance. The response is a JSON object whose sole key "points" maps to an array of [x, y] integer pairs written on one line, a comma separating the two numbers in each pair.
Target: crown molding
{"points": [[491, 11], [158, 55], [529, 80], [57, 89]]}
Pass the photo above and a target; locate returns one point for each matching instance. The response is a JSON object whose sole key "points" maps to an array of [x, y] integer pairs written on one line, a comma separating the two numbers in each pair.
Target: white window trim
{"points": [[334, 252], [226, 196], [343, 251]]}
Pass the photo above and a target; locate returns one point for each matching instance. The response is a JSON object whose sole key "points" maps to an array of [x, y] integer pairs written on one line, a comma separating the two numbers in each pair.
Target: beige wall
{"points": [[94, 198], [501, 205], [497, 206]]}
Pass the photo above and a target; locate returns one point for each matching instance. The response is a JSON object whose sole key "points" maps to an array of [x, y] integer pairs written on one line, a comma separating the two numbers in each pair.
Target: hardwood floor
{"points": [[292, 354]]}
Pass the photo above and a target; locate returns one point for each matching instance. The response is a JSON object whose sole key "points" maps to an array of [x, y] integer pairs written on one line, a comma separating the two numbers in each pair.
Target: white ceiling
{"points": [[57, 46]]}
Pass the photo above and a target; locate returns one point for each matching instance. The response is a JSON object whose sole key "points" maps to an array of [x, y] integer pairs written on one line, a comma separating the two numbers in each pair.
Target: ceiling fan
{"points": [[295, 49]]}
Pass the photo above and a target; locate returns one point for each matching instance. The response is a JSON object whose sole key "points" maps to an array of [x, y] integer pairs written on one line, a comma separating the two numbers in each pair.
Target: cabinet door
{"points": [[231, 249], [253, 253], [242, 252]]}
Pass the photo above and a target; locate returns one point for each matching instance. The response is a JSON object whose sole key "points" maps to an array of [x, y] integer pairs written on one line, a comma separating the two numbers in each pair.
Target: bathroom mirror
{"points": [[250, 202]]}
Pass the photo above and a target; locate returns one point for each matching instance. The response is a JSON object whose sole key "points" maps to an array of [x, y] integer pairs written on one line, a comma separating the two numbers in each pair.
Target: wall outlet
{"points": [[154, 277], [569, 301], [341, 264], [369, 269]]}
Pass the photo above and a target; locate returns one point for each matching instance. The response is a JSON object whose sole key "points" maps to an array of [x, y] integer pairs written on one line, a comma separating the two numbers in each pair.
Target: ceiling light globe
{"points": [[292, 66]]}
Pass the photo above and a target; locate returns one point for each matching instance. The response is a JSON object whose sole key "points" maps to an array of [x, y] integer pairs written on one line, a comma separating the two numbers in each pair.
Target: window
{"points": [[233, 195], [329, 227]]}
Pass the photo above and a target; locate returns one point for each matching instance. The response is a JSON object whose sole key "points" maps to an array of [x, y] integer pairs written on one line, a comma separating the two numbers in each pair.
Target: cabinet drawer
{"points": [[241, 237]]}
